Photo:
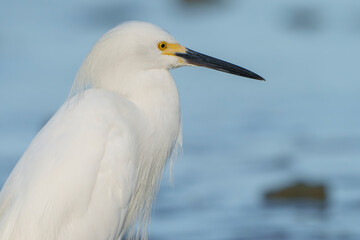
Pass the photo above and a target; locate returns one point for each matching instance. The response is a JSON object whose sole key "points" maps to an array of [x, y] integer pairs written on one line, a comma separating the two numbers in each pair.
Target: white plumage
{"points": [[93, 170]]}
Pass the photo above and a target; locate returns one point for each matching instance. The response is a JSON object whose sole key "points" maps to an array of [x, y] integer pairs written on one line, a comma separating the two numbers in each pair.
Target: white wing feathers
{"points": [[87, 158]]}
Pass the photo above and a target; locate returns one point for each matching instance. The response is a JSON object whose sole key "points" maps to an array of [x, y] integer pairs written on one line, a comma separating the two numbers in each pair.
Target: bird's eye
{"points": [[162, 45]]}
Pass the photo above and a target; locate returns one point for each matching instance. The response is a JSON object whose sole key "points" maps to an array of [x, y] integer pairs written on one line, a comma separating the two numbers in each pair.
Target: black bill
{"points": [[203, 60]]}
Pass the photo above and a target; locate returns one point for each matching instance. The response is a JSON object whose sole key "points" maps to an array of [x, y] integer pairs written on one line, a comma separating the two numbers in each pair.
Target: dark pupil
{"points": [[163, 45]]}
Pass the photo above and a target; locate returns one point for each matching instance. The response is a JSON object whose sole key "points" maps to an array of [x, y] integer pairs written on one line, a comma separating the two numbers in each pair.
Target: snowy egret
{"points": [[93, 170]]}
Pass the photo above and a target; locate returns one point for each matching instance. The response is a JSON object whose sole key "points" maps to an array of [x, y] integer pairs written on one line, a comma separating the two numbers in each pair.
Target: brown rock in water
{"points": [[298, 191]]}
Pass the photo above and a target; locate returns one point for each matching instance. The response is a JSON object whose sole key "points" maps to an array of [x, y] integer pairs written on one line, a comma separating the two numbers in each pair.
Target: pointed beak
{"points": [[198, 59]]}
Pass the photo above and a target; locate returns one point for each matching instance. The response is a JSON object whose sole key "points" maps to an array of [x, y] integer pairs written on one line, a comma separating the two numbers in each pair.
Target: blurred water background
{"points": [[241, 137]]}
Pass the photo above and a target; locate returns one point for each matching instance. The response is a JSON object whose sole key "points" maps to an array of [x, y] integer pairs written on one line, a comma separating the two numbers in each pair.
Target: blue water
{"points": [[241, 137]]}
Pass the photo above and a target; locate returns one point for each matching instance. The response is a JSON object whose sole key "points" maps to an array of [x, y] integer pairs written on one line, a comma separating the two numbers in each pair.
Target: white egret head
{"points": [[141, 45], [135, 46]]}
